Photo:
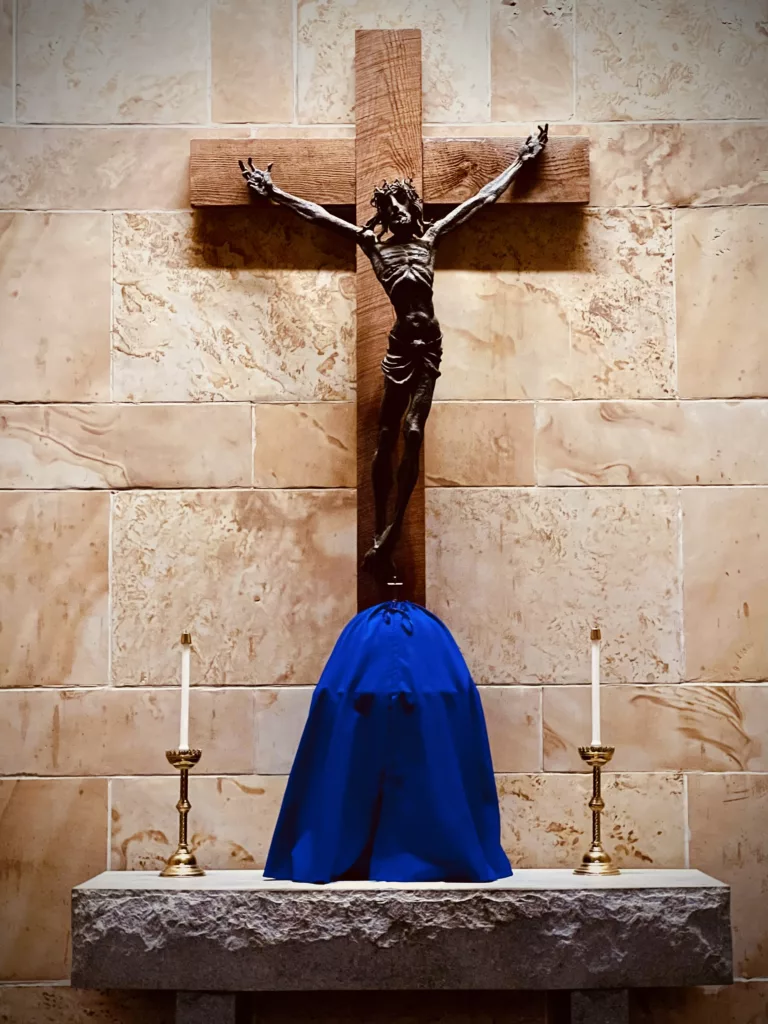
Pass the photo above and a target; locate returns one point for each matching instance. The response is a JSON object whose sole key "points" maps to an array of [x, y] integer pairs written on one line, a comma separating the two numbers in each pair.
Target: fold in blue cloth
{"points": [[393, 778]]}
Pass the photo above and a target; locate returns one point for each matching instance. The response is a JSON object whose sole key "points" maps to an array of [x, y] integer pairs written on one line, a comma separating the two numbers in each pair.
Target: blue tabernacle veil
{"points": [[393, 779]]}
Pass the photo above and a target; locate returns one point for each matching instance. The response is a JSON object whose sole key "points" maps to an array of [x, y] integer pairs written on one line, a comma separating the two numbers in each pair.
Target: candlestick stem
{"points": [[596, 861], [182, 863]]}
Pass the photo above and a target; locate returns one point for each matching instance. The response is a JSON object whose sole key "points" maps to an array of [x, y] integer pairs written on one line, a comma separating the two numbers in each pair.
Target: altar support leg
{"points": [[206, 1007], [600, 1006]]}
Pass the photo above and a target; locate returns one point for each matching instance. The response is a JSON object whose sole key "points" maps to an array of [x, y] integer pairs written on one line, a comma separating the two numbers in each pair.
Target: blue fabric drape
{"points": [[393, 779]]}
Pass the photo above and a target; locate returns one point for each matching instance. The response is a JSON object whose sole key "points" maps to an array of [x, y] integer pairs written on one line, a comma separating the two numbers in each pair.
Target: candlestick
{"points": [[595, 637], [186, 648], [182, 864], [596, 861]]}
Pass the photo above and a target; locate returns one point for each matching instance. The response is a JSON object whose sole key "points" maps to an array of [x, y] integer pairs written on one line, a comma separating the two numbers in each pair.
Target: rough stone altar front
{"points": [[542, 929]]}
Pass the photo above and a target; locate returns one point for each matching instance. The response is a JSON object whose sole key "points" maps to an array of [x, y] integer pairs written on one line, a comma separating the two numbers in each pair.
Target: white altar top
{"points": [[524, 879]]}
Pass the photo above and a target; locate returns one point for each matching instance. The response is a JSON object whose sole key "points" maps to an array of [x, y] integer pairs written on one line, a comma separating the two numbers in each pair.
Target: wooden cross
{"points": [[389, 145]]}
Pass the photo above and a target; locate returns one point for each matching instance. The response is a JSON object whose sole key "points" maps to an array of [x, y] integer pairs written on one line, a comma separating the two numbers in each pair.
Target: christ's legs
{"points": [[393, 405], [408, 473]]}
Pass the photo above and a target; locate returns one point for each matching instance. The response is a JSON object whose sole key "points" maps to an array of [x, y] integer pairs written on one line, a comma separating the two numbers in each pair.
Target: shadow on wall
{"points": [[534, 238]]}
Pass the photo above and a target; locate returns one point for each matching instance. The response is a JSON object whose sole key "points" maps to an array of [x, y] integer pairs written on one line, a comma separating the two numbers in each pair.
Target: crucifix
{"points": [[390, 162]]}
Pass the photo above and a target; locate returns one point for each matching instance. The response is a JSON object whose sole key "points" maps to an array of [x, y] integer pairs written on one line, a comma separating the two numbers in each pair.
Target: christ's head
{"points": [[399, 209]]}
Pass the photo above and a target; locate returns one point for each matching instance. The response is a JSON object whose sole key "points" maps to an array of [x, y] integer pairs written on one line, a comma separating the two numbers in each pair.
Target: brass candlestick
{"points": [[596, 861], [182, 864]]}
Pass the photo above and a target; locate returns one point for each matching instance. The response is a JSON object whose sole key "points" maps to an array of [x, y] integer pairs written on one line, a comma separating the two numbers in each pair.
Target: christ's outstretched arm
{"points": [[489, 193], [261, 184]]}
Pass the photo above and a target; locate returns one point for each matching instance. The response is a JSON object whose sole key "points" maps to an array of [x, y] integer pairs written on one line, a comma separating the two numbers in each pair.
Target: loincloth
{"points": [[406, 357]]}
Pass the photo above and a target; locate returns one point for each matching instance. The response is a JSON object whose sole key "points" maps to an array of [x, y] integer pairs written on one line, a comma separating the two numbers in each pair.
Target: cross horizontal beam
{"points": [[323, 170]]}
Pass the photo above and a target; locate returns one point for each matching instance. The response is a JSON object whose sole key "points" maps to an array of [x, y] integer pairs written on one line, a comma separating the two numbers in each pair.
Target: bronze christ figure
{"points": [[402, 254]]}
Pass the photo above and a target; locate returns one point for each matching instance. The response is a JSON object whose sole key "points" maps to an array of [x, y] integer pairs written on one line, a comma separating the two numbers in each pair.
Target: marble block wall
{"points": [[177, 447]]}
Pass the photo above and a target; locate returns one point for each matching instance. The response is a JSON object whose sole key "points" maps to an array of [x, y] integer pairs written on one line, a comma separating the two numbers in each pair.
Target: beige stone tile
{"points": [[252, 74], [60, 1004], [742, 1003], [658, 728], [721, 264], [263, 579], [671, 59], [302, 131], [53, 588], [651, 443], [678, 164], [122, 732], [7, 112], [546, 823], [555, 314], [143, 61], [727, 816], [454, 55], [519, 576], [125, 445], [54, 306], [479, 444], [513, 720], [119, 168], [54, 837], [280, 718], [725, 590], [306, 445], [201, 312], [531, 60], [230, 824]]}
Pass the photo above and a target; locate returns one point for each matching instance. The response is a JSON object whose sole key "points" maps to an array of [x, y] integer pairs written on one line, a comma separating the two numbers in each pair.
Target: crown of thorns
{"points": [[388, 188]]}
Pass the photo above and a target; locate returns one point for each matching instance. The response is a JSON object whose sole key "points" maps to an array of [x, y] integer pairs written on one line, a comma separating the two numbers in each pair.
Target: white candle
{"points": [[186, 649], [594, 637]]}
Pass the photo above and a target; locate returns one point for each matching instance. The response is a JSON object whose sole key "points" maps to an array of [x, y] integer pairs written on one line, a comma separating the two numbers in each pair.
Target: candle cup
{"points": [[182, 863], [596, 861]]}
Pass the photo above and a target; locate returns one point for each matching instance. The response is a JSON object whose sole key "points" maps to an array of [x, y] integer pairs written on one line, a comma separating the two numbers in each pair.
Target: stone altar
{"points": [[233, 931]]}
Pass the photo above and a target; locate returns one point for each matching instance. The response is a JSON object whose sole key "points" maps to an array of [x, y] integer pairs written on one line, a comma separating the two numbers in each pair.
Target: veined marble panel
{"points": [[572, 303], [6, 60], [694, 164], [264, 580], [746, 1003], [60, 1004], [520, 576], [53, 588], [125, 445], [658, 728], [454, 55], [476, 444], [230, 824], [54, 306], [121, 731], [722, 303], [546, 822], [725, 547], [532, 60], [201, 313], [252, 73], [54, 836], [110, 168], [304, 445], [143, 61], [727, 816], [671, 59], [651, 443]]}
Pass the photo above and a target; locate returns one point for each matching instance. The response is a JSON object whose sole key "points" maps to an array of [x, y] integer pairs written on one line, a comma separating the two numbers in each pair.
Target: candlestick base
{"points": [[182, 863], [596, 861]]}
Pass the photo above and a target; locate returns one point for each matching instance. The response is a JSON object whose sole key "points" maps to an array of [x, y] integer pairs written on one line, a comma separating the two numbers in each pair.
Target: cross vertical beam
{"points": [[388, 116]]}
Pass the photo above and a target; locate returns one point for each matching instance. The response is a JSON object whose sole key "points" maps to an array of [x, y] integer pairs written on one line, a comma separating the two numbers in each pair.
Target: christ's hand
{"points": [[258, 181], [534, 143]]}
